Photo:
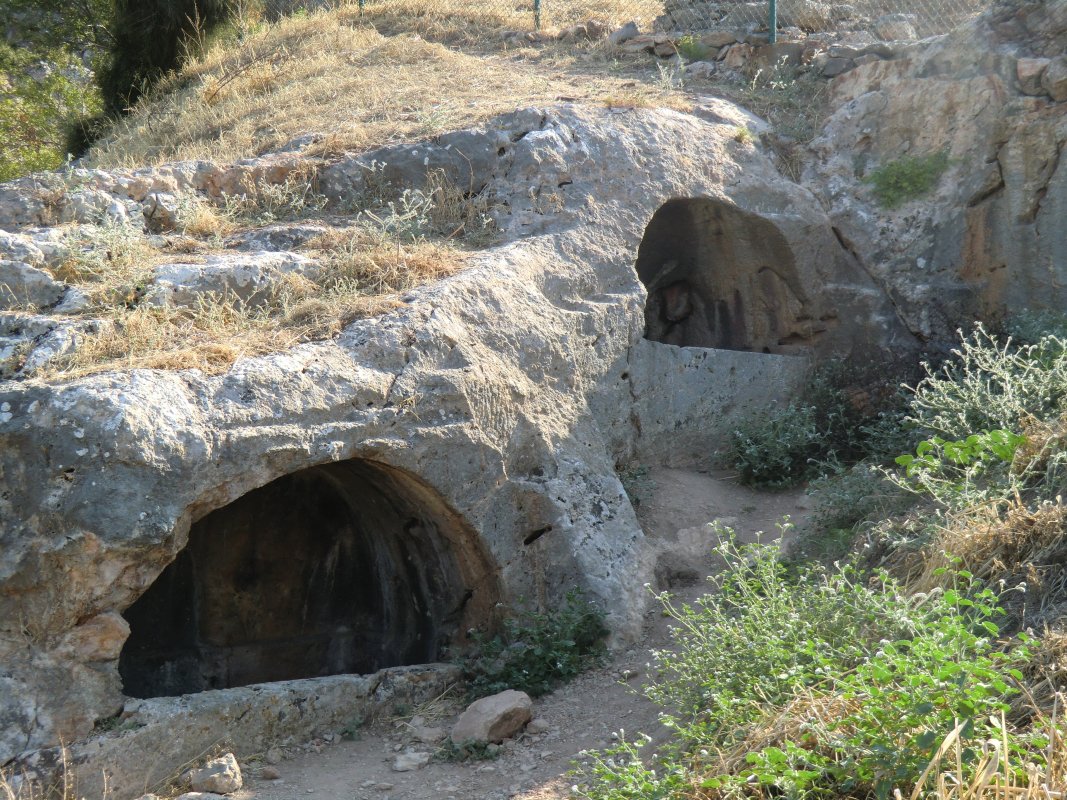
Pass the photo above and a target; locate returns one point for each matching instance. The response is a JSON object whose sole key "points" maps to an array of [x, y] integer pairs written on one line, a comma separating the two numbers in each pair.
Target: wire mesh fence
{"points": [[881, 20]]}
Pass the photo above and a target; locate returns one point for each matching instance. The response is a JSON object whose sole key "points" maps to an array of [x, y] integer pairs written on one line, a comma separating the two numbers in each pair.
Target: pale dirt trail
{"points": [[578, 716]]}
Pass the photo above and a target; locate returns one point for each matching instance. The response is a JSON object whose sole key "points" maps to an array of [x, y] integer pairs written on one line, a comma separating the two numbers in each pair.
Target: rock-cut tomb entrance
{"points": [[348, 567], [721, 277]]}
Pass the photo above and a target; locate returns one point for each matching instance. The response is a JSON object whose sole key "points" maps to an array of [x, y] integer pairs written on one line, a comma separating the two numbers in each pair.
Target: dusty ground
{"points": [[581, 715]]}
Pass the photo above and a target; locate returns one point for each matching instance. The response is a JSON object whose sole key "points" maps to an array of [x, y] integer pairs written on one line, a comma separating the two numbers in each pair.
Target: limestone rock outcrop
{"points": [[992, 238], [473, 432]]}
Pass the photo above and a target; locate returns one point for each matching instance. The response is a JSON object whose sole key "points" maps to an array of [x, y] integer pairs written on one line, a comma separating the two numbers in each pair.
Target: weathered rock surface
{"points": [[248, 279], [219, 775], [281, 236], [155, 737], [992, 236], [29, 342], [484, 419], [494, 718], [411, 760], [22, 285]]}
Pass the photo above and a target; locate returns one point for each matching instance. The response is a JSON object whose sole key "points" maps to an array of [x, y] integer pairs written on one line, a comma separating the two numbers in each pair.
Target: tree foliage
{"points": [[150, 38]]}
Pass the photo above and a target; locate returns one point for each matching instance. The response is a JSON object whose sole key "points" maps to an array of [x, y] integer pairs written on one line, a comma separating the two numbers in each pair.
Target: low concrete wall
{"points": [[687, 400]]}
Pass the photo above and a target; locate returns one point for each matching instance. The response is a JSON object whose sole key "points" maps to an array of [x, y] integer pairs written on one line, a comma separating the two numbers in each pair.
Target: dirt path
{"points": [[581, 715]]}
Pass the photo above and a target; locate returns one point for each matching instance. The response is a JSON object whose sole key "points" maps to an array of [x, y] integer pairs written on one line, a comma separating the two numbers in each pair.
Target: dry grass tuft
{"points": [[996, 777], [335, 74], [203, 220], [109, 262], [1020, 550], [477, 26]]}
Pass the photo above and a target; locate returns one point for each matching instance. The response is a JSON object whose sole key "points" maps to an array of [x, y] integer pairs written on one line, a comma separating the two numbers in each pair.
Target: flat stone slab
{"points": [[157, 737]]}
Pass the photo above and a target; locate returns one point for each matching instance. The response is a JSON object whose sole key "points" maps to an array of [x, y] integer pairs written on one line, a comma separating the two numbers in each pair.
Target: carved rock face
{"points": [[990, 239], [723, 277], [342, 568]]}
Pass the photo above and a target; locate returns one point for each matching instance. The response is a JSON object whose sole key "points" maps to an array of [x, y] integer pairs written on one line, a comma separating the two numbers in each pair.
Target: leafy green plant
{"points": [[619, 774], [907, 178], [690, 48], [41, 95], [538, 651], [990, 384], [825, 427], [636, 482], [1030, 327], [963, 472], [293, 198], [847, 500], [820, 684], [778, 450]]}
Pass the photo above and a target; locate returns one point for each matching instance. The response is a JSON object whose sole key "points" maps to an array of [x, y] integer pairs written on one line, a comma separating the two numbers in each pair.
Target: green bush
{"points": [[991, 384], [907, 178], [538, 651], [779, 449], [846, 500], [993, 418], [41, 95], [966, 472], [818, 684], [822, 429]]}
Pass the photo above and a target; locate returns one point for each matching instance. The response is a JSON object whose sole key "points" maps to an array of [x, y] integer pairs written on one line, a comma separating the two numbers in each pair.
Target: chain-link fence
{"points": [[878, 20]]}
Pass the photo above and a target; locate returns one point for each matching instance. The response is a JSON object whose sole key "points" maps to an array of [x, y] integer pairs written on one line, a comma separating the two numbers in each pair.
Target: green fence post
{"points": [[537, 15], [362, 5], [772, 22]]}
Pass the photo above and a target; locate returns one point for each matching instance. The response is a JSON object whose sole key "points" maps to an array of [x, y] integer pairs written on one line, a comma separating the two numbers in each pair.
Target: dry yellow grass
{"points": [[334, 74], [364, 271]]}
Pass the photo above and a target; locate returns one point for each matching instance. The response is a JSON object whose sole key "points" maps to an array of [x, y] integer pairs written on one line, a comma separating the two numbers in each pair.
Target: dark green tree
{"points": [[150, 38]]}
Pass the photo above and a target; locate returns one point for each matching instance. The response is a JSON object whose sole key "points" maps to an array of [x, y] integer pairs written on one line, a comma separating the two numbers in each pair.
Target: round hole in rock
{"points": [[342, 568], [721, 277]]}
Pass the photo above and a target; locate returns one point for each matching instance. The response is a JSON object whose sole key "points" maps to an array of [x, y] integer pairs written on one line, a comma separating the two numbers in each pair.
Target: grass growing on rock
{"points": [[907, 178], [537, 651], [364, 265]]}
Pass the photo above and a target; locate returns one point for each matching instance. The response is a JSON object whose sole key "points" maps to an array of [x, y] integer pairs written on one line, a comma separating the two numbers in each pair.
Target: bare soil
{"points": [[582, 715]]}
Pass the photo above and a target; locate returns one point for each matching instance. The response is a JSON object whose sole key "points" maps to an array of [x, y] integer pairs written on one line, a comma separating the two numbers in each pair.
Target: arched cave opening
{"points": [[721, 277], [342, 568]]}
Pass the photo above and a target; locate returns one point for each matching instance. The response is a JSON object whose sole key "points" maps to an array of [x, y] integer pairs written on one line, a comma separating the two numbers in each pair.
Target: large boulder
{"points": [[220, 775], [494, 718]]}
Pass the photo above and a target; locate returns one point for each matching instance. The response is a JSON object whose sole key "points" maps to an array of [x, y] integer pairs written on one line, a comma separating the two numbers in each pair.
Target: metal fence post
{"points": [[362, 5], [772, 21], [537, 15]]}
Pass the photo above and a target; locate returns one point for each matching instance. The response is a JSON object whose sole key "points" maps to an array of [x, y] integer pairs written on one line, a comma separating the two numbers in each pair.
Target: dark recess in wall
{"points": [[342, 568]]}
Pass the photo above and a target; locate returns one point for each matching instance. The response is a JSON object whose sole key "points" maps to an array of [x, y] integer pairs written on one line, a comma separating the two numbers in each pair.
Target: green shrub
{"points": [[964, 472], [990, 385], [538, 651], [690, 48], [467, 750], [818, 684], [41, 96], [779, 449], [845, 500], [1030, 327], [825, 427], [636, 482], [907, 178]]}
